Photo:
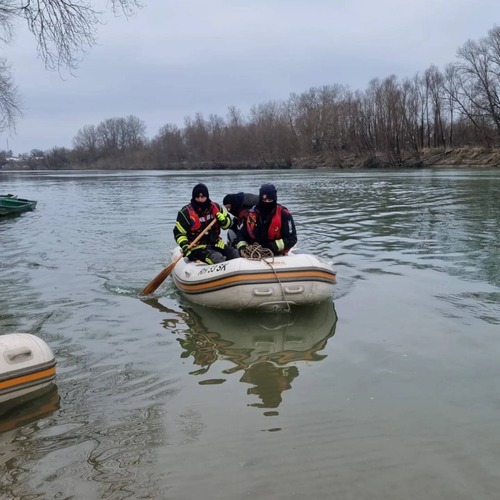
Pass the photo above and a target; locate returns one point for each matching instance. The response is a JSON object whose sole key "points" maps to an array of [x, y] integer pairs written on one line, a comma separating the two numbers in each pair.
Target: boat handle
{"points": [[263, 293], [298, 289], [22, 353]]}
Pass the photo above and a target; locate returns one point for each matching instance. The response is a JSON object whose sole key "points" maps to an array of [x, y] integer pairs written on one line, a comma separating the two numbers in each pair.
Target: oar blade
{"points": [[158, 280]]}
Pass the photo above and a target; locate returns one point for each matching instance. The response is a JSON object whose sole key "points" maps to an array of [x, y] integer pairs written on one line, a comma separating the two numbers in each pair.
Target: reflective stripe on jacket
{"points": [[191, 223]]}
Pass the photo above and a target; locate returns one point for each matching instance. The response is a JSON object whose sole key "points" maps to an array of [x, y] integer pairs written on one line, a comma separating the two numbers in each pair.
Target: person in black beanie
{"points": [[269, 224], [238, 205], [193, 219]]}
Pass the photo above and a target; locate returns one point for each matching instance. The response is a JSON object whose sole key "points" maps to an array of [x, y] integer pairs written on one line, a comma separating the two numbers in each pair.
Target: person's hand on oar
{"points": [[163, 275]]}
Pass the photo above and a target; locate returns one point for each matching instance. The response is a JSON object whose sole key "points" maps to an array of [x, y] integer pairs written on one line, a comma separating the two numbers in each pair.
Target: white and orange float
{"points": [[27, 369], [269, 283]]}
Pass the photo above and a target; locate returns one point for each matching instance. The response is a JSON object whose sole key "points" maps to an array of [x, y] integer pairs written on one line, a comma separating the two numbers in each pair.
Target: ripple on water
{"points": [[415, 353]]}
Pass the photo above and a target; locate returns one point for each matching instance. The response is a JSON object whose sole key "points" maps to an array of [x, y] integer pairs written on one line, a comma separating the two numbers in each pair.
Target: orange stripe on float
{"points": [[251, 277], [32, 377]]}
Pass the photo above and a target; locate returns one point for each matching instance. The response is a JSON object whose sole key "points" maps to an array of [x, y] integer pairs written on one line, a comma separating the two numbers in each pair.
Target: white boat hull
{"points": [[273, 283], [27, 369]]}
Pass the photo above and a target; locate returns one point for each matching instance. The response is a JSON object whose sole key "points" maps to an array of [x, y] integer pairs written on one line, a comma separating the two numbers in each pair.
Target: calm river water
{"points": [[390, 391]]}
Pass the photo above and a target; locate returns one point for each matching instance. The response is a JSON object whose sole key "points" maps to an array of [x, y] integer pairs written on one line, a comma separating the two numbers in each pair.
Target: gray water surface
{"points": [[389, 391]]}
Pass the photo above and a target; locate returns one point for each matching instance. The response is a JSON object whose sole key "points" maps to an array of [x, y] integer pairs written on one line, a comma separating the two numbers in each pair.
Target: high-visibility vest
{"points": [[274, 230], [198, 224]]}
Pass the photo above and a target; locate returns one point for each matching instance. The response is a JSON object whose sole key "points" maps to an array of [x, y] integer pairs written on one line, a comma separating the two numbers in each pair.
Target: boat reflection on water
{"points": [[42, 406], [266, 347]]}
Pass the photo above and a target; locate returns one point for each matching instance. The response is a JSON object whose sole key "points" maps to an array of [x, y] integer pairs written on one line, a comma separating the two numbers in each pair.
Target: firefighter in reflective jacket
{"points": [[269, 224], [192, 220]]}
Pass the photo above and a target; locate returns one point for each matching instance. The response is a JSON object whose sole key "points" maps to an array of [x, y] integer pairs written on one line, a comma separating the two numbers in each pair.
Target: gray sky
{"points": [[175, 58]]}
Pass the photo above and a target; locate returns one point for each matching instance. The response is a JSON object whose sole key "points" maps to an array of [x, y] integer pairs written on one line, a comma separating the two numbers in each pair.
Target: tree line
{"points": [[391, 123], [63, 30]]}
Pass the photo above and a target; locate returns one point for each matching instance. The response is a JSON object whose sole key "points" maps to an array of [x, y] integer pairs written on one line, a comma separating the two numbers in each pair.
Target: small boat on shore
{"points": [[27, 369], [12, 205], [270, 283]]}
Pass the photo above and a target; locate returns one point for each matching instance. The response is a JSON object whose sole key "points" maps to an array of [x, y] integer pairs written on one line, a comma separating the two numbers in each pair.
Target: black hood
{"points": [[267, 191], [200, 189], [236, 202]]}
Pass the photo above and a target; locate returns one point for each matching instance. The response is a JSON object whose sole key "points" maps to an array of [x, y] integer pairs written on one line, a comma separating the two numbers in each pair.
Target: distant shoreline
{"points": [[468, 157]]}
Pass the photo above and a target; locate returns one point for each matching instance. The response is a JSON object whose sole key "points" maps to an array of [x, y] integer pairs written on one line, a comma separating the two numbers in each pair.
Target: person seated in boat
{"points": [[269, 224], [238, 205], [192, 220]]}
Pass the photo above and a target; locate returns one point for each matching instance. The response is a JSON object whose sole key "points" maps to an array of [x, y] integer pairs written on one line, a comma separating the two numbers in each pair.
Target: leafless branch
{"points": [[10, 107]]}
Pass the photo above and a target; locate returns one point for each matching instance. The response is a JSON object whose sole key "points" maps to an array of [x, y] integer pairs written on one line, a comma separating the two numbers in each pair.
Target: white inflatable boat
{"points": [[272, 283], [27, 369]]}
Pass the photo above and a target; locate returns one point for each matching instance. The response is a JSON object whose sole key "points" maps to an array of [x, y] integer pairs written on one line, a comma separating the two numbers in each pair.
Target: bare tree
{"points": [[197, 138], [86, 139], [133, 133], [57, 158], [478, 85], [307, 116], [10, 106], [168, 146], [410, 110], [450, 90], [63, 29], [434, 85], [120, 134], [274, 138], [239, 136]]}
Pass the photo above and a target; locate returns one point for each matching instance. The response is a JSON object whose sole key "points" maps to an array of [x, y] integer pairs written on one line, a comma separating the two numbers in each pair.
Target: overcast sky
{"points": [[175, 58]]}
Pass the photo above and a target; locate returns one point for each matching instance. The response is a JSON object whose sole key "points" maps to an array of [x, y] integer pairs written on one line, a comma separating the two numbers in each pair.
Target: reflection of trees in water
{"points": [[265, 346]]}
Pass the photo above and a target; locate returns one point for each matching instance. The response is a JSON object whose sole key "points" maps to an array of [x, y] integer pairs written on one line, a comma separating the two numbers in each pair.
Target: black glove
{"points": [[185, 250], [241, 247], [276, 246], [272, 246]]}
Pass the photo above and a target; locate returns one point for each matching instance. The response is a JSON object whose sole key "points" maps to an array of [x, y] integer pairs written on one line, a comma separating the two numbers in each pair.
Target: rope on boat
{"points": [[257, 252]]}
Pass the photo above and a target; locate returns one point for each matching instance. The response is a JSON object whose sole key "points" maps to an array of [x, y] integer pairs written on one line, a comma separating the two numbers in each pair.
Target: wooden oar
{"points": [[158, 280]]}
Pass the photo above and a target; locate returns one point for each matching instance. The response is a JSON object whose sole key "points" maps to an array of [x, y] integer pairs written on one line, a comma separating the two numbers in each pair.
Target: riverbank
{"points": [[470, 157], [467, 157], [464, 157]]}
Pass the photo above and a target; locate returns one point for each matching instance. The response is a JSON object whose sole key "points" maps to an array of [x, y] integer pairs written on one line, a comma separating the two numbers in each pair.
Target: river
{"points": [[389, 391]]}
